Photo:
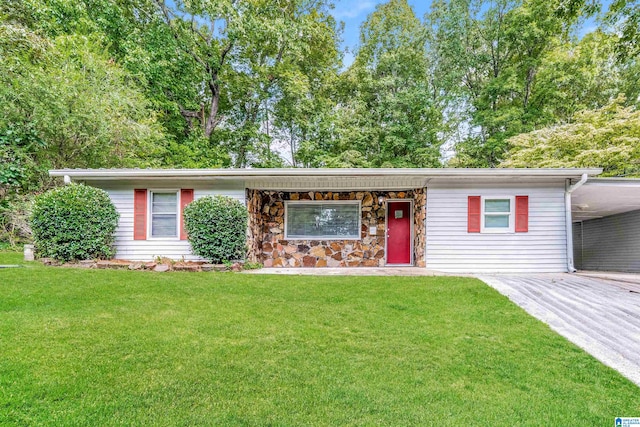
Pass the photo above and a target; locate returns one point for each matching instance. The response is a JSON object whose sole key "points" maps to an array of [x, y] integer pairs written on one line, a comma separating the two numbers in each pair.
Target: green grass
{"points": [[93, 347]]}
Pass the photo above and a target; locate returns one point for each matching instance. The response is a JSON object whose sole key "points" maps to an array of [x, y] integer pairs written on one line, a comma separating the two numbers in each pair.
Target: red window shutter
{"points": [[186, 197], [522, 214], [140, 214], [473, 214]]}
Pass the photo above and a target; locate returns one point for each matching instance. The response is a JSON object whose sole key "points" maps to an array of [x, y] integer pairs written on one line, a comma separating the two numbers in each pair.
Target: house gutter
{"points": [[443, 173], [569, 188]]}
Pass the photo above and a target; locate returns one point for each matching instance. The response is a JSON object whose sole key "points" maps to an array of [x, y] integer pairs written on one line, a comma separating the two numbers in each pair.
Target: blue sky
{"points": [[354, 12]]}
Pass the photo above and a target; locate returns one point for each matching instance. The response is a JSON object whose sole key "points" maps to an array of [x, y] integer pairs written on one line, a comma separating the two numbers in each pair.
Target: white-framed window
{"points": [[497, 214], [164, 213], [326, 220]]}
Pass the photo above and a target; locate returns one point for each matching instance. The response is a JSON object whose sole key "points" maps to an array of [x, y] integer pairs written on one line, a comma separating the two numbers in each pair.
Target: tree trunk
{"points": [[213, 119], [528, 84]]}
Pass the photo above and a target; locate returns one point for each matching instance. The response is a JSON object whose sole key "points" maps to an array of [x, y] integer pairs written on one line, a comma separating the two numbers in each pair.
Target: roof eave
{"points": [[460, 173]]}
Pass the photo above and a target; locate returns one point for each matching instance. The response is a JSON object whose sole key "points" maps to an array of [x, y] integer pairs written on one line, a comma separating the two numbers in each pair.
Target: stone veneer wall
{"points": [[267, 244]]}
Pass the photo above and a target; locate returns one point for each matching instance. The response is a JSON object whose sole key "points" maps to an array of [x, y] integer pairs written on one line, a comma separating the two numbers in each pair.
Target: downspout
{"points": [[567, 215]]}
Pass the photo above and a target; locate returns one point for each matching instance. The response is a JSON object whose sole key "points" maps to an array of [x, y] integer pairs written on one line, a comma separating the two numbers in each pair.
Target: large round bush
{"points": [[217, 228], [74, 222]]}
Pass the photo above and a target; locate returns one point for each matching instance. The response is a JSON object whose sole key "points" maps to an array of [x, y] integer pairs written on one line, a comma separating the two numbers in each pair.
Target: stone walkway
{"points": [[600, 316]]}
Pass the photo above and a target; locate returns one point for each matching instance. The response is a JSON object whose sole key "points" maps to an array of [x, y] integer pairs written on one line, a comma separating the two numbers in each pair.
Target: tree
{"points": [[579, 76], [622, 17], [385, 108], [487, 57], [608, 137], [219, 83], [625, 16], [64, 103], [302, 110], [216, 72], [237, 61]]}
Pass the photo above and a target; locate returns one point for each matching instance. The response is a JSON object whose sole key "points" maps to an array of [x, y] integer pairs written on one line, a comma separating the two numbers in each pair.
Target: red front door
{"points": [[399, 232]]}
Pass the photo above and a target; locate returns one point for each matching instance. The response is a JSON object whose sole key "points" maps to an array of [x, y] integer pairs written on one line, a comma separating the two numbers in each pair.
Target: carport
{"points": [[606, 225]]}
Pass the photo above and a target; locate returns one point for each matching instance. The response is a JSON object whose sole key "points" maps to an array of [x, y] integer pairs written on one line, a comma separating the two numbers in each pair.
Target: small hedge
{"points": [[74, 222], [217, 228]]}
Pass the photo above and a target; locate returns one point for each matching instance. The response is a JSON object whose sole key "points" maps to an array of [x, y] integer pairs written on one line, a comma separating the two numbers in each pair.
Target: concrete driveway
{"points": [[599, 315]]}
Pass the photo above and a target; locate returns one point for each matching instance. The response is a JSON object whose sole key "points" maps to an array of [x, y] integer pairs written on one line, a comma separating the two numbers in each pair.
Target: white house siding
{"points": [[148, 250], [450, 248]]}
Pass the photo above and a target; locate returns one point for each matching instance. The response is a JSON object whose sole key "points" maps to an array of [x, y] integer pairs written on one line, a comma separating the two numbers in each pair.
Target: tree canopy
{"points": [[64, 103], [384, 111], [255, 83], [608, 137]]}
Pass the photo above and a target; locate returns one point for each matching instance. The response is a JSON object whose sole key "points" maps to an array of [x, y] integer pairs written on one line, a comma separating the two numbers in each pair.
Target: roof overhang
{"points": [[600, 197], [322, 178], [102, 174]]}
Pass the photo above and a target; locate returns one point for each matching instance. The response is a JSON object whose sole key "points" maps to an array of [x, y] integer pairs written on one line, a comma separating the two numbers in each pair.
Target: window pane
{"points": [[164, 203], [496, 221], [163, 225], [323, 220], [497, 205], [301, 220], [164, 219]]}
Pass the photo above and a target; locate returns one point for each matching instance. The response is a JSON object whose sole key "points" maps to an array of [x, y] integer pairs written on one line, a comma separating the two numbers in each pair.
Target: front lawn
{"points": [[94, 347]]}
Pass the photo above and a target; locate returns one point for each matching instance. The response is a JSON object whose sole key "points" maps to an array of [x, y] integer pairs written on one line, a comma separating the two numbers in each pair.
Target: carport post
{"points": [[568, 220]]}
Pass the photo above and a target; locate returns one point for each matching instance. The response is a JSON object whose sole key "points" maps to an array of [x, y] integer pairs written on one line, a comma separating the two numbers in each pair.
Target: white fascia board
{"points": [[433, 173], [614, 182]]}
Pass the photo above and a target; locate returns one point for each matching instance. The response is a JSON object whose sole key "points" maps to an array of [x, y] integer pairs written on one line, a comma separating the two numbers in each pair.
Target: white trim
{"points": [[502, 230], [411, 230], [326, 202], [471, 173], [614, 181], [150, 192], [569, 189]]}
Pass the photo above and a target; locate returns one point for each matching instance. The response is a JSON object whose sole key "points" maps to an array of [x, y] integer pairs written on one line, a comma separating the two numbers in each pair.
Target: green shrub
{"points": [[74, 222], [217, 228]]}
